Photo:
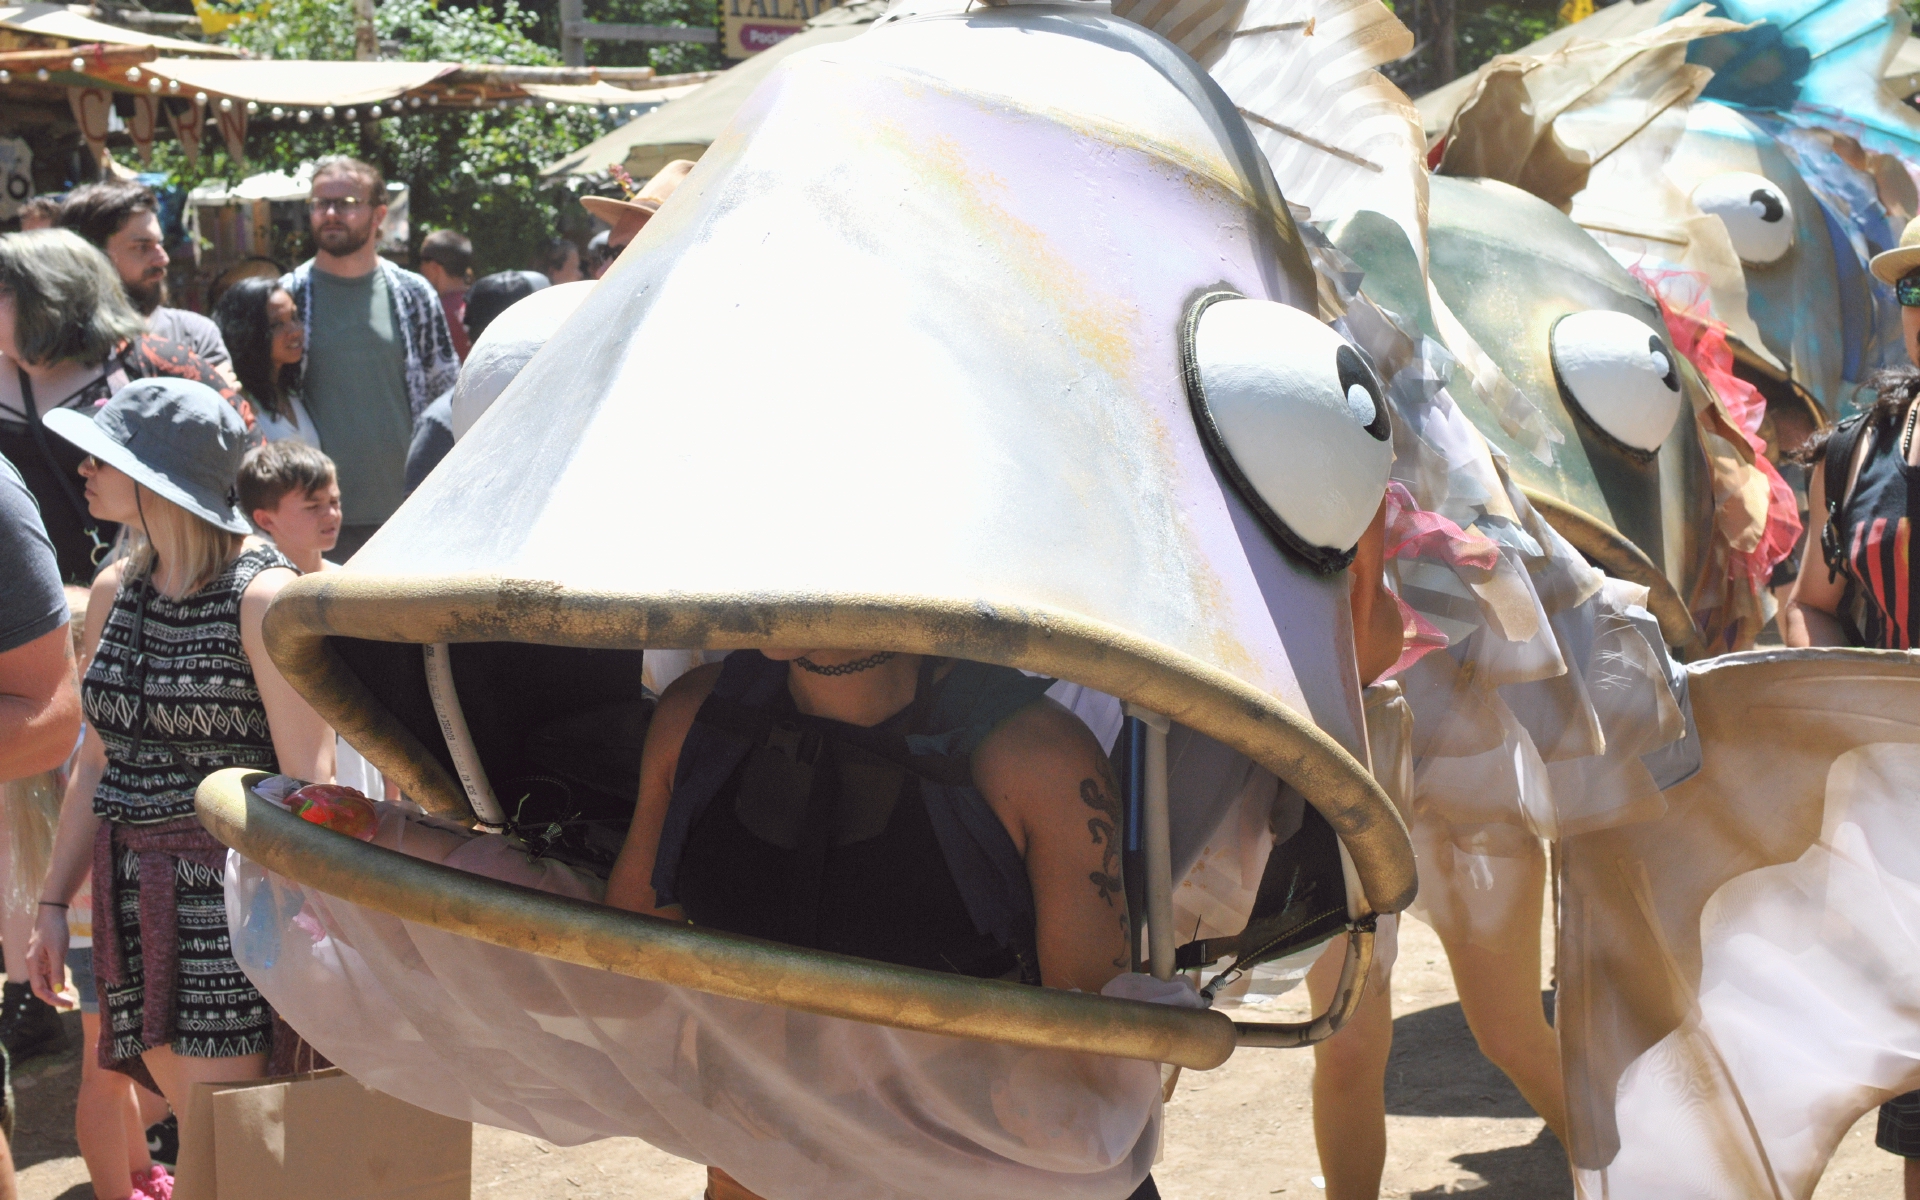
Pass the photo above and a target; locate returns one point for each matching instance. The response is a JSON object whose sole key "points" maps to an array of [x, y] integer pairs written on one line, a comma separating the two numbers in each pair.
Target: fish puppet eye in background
{"points": [[1619, 374], [1295, 417], [1758, 217]]}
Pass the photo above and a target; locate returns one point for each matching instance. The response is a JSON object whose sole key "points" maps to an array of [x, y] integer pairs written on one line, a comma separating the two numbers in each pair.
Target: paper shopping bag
{"points": [[322, 1136]]}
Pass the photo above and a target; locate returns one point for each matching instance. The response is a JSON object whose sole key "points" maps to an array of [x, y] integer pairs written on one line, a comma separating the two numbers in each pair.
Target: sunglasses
{"points": [[343, 204], [1907, 291]]}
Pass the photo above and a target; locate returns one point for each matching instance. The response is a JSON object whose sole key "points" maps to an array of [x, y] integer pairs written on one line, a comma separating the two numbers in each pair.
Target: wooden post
{"points": [[573, 47], [366, 47]]}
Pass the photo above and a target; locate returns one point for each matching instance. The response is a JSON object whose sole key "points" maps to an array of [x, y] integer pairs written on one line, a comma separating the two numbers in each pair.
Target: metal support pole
{"points": [[453, 727], [1133, 862], [1157, 844]]}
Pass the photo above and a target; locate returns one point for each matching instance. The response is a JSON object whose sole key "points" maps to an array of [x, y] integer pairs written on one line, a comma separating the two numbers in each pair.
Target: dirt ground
{"points": [[1243, 1132]]}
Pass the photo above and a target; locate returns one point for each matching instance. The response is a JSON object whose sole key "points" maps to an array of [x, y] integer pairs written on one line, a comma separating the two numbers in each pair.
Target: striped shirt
{"points": [[1876, 528]]}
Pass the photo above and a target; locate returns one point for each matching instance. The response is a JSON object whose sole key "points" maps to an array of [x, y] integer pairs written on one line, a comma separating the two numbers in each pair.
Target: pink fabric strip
{"points": [[1412, 533]]}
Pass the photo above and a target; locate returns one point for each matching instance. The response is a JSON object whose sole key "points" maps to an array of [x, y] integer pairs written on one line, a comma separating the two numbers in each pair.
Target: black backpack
{"points": [[1841, 451]]}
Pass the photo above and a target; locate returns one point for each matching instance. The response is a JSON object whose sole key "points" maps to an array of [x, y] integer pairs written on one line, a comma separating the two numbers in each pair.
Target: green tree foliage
{"points": [[1478, 30], [1495, 29], [670, 58], [472, 171]]}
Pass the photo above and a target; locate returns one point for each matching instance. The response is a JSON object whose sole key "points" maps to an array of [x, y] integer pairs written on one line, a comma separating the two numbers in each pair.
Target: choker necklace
{"points": [[852, 668]]}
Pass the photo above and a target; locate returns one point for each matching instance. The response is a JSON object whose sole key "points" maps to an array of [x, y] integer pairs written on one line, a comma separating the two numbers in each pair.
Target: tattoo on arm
{"points": [[1103, 797], [1105, 829]]}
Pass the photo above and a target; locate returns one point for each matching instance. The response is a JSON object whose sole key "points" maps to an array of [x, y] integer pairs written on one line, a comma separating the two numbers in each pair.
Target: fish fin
{"points": [[1202, 28], [1339, 135]]}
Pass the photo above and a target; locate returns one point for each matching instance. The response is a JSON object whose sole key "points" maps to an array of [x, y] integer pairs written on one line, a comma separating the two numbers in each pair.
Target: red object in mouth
{"points": [[337, 807]]}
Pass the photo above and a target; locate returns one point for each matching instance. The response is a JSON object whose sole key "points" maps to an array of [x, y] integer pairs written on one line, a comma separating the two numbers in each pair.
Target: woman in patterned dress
{"points": [[179, 686]]}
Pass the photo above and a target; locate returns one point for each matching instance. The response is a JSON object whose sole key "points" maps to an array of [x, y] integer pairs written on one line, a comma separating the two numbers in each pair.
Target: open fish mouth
{"points": [[912, 408]]}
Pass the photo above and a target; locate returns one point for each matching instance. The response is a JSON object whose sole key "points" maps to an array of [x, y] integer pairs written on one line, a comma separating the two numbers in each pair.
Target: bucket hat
{"points": [[1890, 266], [175, 436]]}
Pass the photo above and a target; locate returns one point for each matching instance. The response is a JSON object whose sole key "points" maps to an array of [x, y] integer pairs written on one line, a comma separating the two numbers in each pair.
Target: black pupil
{"points": [[1770, 207], [1672, 377], [1354, 371]]}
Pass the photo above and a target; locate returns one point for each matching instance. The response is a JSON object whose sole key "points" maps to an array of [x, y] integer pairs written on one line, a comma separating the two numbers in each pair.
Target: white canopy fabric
{"points": [[687, 126], [607, 93], [57, 20], [307, 84]]}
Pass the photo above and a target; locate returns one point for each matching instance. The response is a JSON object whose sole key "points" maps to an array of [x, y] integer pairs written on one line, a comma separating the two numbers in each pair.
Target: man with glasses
{"points": [[378, 350]]}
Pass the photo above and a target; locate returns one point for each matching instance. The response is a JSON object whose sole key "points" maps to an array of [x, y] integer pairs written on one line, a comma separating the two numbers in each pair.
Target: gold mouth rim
{"points": [[720, 964], [470, 608]]}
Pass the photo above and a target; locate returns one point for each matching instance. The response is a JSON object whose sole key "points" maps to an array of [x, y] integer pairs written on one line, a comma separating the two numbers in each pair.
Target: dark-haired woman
{"points": [[1859, 580], [265, 338], [69, 340]]}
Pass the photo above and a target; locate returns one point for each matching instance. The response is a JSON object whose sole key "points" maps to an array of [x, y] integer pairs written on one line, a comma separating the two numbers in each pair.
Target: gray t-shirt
{"points": [[32, 603], [356, 392], [193, 331]]}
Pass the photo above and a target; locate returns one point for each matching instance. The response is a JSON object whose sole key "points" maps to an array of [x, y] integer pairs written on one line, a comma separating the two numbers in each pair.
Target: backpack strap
{"points": [[1842, 451]]}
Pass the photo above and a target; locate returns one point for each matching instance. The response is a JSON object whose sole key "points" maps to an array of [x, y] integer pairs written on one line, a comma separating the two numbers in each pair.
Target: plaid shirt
{"points": [[432, 365]]}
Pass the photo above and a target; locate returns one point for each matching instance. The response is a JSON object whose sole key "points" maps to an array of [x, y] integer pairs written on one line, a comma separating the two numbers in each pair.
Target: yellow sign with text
{"points": [[756, 25]]}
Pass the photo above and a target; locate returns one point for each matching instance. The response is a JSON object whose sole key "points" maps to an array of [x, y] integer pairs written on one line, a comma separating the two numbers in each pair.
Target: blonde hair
{"points": [[204, 549]]}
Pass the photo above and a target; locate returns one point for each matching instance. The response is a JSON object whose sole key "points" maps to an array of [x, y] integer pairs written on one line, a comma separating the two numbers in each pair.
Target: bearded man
{"points": [[123, 219], [377, 348]]}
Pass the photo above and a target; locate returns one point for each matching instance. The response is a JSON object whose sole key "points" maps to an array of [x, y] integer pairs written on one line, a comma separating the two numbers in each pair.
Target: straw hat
{"points": [[1892, 265], [629, 216]]}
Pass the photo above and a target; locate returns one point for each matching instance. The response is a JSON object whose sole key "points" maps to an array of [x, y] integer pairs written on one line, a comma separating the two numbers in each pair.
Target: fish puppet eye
{"points": [[1758, 217], [1621, 375], [1295, 416]]}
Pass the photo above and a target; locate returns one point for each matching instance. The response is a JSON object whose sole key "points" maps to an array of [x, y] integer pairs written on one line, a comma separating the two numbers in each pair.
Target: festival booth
{"points": [[71, 87]]}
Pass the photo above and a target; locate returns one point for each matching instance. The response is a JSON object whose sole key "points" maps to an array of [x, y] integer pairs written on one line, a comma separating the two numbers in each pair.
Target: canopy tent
{"points": [[145, 86], [59, 21], [296, 84], [613, 95], [687, 126]]}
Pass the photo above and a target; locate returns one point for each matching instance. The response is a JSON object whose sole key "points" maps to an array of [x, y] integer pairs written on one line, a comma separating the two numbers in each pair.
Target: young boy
{"points": [[291, 491]]}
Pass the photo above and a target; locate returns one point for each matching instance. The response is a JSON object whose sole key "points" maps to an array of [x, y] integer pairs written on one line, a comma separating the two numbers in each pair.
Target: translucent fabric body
{"points": [[794, 1106], [1738, 980]]}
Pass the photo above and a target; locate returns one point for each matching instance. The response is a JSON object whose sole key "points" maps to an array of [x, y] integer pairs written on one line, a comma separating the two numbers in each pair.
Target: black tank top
{"points": [[822, 835]]}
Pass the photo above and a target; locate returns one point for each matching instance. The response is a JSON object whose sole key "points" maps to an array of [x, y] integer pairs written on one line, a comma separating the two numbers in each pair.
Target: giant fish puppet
{"points": [[986, 334], [1744, 161], [1080, 341], [1734, 981]]}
